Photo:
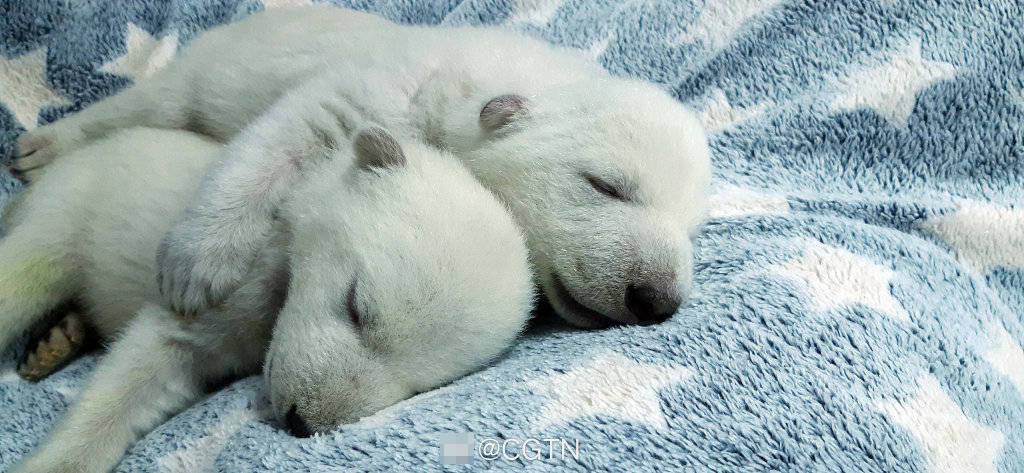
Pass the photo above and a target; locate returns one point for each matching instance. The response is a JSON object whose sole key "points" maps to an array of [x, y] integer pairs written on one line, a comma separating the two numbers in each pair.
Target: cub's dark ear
{"points": [[376, 148], [502, 110]]}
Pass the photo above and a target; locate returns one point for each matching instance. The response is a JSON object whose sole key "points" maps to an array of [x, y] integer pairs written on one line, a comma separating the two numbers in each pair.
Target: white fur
{"points": [[443, 286], [430, 84]]}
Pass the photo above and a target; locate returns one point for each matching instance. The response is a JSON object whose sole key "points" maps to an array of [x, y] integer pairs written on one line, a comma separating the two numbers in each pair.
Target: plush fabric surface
{"points": [[860, 277]]}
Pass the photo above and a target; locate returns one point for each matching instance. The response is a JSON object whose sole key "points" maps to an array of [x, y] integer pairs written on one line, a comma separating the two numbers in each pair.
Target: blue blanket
{"points": [[860, 277]]}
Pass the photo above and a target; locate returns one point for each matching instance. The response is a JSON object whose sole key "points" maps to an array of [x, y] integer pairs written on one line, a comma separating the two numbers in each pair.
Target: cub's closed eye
{"points": [[604, 187], [350, 304]]}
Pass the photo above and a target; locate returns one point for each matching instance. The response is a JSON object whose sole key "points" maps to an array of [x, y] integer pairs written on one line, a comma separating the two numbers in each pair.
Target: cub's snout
{"points": [[296, 425], [653, 303]]}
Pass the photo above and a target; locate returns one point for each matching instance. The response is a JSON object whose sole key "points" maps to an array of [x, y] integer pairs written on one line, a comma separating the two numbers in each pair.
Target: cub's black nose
{"points": [[650, 305], [295, 424]]}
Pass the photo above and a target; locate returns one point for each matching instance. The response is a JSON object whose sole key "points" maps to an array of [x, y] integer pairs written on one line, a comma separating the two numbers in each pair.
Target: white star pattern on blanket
{"points": [[1006, 356], [891, 88], [951, 442], [610, 385], [718, 114], [535, 12], [983, 236], [388, 414], [144, 54], [598, 48], [201, 453], [719, 21], [268, 4], [733, 201], [23, 87], [837, 277]]}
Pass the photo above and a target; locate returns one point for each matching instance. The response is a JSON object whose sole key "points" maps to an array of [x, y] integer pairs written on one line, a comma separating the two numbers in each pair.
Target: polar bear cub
{"points": [[607, 177], [392, 269]]}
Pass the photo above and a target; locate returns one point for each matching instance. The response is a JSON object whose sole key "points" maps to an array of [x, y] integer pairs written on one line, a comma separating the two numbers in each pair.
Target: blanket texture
{"points": [[860, 277]]}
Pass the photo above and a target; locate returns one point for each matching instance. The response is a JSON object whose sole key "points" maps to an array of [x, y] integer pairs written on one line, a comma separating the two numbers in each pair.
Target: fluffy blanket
{"points": [[860, 276]]}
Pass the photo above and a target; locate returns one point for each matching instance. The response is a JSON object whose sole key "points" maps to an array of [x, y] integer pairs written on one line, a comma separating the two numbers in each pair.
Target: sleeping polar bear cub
{"points": [[607, 177], [419, 278]]}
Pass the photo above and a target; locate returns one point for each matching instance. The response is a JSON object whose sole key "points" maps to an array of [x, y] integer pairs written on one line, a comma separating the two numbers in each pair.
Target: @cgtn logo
{"points": [[462, 448]]}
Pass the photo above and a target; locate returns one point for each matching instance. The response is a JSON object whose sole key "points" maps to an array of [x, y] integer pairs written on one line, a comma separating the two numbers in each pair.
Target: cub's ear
{"points": [[503, 110], [376, 148]]}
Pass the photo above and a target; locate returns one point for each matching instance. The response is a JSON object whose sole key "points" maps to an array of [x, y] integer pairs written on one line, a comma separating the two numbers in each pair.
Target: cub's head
{"points": [[405, 274], [608, 180]]}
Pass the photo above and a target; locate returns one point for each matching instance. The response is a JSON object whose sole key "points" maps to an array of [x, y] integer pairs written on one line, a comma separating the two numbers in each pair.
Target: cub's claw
{"points": [[32, 141], [36, 148], [27, 176], [55, 348]]}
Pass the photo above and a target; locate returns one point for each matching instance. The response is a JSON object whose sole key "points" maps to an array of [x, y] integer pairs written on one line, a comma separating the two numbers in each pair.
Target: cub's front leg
{"points": [[159, 102], [148, 375], [204, 256]]}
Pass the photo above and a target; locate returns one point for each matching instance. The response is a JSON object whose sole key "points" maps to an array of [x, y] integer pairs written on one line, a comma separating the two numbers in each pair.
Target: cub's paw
{"points": [[55, 349], [191, 279], [36, 148]]}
